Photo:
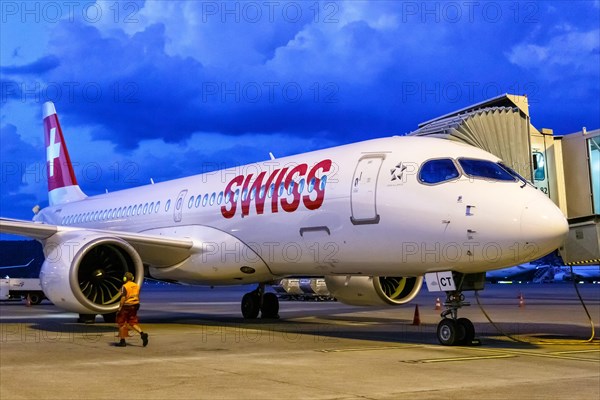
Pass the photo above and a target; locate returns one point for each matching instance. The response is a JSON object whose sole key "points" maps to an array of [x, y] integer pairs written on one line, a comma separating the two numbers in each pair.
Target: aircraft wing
{"points": [[153, 249]]}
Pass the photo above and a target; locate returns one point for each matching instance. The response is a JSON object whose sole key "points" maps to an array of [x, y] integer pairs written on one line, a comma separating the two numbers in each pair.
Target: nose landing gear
{"points": [[259, 301], [452, 330]]}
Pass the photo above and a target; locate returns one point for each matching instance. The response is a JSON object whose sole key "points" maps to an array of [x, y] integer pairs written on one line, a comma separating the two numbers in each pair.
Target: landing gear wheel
{"points": [[447, 332], [270, 306], [86, 318], [250, 305], [34, 299], [468, 331], [110, 318]]}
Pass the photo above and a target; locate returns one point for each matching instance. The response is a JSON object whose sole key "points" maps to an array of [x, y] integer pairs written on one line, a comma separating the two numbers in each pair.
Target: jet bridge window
{"points": [[484, 169], [437, 171]]}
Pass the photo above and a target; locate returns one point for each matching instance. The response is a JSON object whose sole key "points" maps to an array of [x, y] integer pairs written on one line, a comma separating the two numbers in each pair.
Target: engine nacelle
{"points": [[83, 271], [375, 290]]}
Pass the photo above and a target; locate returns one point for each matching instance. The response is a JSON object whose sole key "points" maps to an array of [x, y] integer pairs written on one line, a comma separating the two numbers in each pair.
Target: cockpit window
{"points": [[485, 169], [436, 171], [515, 174]]}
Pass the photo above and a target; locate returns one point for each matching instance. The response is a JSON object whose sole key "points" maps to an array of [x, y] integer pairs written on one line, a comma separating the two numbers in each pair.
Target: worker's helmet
{"points": [[128, 277]]}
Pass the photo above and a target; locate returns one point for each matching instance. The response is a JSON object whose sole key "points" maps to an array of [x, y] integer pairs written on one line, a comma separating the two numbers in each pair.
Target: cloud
{"points": [[22, 174], [571, 52], [40, 66]]}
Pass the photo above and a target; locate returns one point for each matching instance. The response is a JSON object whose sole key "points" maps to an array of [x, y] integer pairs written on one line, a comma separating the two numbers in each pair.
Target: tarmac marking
{"points": [[556, 355], [334, 322], [351, 349], [453, 359], [577, 351]]}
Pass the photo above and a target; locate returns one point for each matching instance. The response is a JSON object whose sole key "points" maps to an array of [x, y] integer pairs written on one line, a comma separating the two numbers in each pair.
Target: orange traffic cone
{"points": [[438, 304], [521, 300], [416, 318]]}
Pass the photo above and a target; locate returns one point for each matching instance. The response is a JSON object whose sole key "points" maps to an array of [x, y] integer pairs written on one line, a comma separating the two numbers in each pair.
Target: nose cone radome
{"points": [[543, 227]]}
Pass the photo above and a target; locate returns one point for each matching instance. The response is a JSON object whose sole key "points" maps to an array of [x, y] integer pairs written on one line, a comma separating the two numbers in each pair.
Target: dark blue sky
{"points": [[164, 89]]}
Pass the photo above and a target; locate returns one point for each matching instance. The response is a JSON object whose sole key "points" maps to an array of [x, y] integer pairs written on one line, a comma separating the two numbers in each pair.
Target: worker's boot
{"points": [[121, 343]]}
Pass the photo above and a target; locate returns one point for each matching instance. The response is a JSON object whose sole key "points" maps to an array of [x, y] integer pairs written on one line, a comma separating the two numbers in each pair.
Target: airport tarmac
{"points": [[201, 348]]}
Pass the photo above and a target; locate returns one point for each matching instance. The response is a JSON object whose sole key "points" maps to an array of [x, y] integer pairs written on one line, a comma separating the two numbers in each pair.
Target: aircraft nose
{"points": [[544, 226]]}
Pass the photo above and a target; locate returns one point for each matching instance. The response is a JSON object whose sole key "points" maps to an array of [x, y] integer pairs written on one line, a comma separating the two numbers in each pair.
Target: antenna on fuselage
{"points": [[271, 155], [152, 181]]}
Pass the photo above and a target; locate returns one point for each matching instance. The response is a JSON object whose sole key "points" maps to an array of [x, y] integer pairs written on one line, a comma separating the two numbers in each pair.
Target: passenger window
{"points": [[191, 202], [437, 171], [168, 205], [212, 199], [301, 185], [323, 182], [220, 198], [198, 200], [205, 200], [157, 207], [484, 169]]}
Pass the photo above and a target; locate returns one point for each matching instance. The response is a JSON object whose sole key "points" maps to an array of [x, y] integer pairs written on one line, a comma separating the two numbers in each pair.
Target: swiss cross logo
{"points": [[52, 151]]}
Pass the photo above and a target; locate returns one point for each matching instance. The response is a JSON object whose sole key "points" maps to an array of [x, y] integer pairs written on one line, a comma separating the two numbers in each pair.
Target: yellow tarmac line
{"points": [[451, 359], [368, 348], [576, 351], [532, 354]]}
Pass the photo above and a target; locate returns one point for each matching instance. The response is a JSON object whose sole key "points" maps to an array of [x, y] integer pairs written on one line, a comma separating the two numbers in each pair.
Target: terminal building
{"points": [[565, 167]]}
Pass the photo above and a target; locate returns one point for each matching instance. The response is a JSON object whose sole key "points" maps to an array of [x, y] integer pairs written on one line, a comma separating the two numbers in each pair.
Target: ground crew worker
{"points": [[127, 315]]}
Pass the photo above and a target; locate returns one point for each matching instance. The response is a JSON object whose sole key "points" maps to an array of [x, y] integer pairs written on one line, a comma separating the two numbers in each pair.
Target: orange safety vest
{"points": [[131, 292]]}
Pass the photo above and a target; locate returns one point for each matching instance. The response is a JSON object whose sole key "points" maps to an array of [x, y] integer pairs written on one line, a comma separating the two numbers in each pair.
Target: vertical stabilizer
{"points": [[62, 184]]}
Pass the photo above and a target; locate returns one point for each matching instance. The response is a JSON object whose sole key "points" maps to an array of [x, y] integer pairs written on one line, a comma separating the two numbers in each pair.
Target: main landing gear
{"points": [[452, 330], [259, 301]]}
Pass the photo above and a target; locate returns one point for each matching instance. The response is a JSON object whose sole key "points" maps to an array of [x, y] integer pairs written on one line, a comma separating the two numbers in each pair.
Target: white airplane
{"points": [[372, 217]]}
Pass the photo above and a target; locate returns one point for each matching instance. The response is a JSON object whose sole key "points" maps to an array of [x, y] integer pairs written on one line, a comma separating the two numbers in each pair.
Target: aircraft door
{"points": [[177, 211], [364, 190]]}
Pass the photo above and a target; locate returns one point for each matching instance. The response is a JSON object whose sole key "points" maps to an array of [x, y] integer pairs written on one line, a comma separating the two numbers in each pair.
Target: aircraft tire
{"points": [[34, 299], [467, 330], [447, 332], [110, 318], [270, 306], [250, 305], [86, 318]]}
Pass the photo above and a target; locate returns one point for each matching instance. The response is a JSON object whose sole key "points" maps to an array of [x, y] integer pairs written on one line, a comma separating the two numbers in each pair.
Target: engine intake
{"points": [[374, 291], [83, 272]]}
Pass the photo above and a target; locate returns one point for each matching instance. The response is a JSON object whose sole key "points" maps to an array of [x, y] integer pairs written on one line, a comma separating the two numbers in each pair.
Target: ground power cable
{"points": [[591, 340]]}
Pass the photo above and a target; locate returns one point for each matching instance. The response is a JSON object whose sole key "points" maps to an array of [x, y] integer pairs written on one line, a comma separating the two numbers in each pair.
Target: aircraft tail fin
{"points": [[62, 184]]}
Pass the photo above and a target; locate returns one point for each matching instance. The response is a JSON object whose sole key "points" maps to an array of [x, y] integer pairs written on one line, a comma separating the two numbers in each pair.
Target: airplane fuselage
{"points": [[359, 209]]}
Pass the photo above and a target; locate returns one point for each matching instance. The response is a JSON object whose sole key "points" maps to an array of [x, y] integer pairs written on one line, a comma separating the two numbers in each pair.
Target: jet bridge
{"points": [[566, 168]]}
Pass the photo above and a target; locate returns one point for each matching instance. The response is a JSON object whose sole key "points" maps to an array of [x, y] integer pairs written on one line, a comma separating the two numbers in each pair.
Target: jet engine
{"points": [[375, 290], [83, 271]]}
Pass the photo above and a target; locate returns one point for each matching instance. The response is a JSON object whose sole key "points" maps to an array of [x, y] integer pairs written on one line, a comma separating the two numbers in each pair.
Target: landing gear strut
{"points": [[259, 301], [452, 330]]}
